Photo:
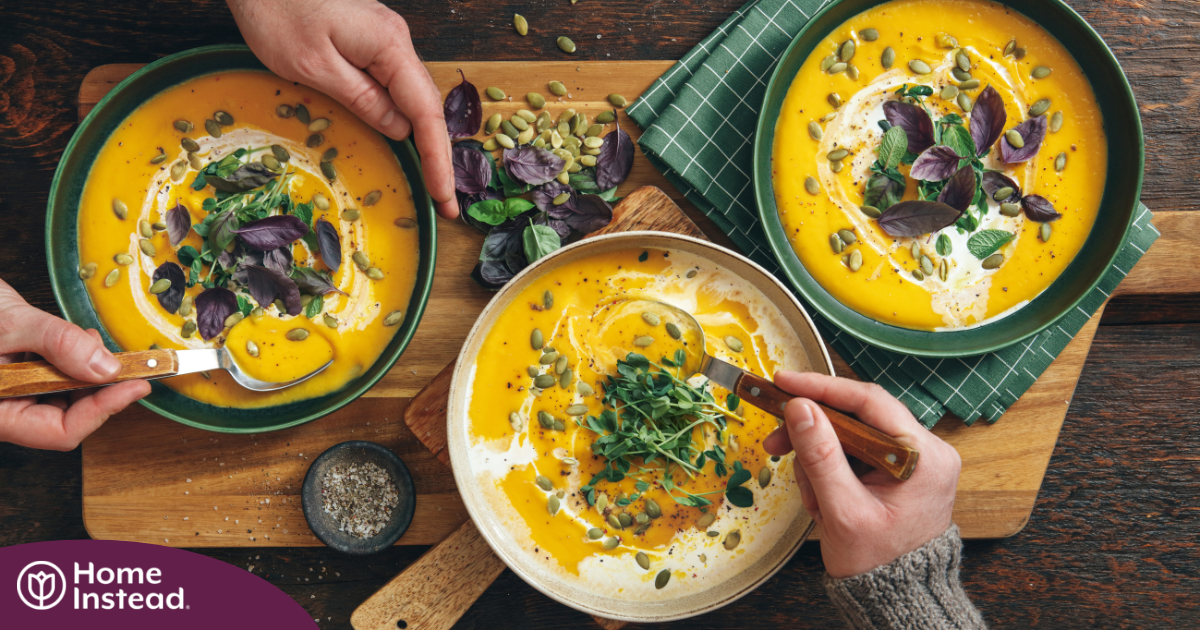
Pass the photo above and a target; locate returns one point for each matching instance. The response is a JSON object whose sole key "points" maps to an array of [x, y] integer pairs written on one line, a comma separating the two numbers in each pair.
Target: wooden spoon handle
{"points": [[435, 591], [859, 440], [39, 377]]}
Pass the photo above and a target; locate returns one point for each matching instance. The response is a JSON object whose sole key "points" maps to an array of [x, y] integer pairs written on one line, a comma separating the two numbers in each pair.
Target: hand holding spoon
{"points": [[859, 440], [39, 377]]}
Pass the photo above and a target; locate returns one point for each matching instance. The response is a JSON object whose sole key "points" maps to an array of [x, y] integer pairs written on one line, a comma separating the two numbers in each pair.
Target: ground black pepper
{"points": [[361, 498]]}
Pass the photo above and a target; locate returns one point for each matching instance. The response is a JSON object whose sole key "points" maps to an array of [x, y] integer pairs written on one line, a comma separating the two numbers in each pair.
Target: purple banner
{"points": [[100, 584]]}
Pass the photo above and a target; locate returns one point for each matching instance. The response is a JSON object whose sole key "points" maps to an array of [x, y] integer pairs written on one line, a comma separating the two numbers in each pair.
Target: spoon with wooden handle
{"points": [[873, 447], [35, 378]]}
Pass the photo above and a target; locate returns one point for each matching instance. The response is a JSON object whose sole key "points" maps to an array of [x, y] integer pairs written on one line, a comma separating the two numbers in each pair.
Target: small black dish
{"points": [[322, 524]]}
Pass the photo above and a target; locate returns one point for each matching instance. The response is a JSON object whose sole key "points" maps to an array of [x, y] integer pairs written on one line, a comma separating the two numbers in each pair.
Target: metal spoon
{"points": [[859, 440], [39, 377]]}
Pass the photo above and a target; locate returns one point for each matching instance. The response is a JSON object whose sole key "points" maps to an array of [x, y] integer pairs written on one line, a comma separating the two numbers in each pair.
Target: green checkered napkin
{"points": [[699, 121]]}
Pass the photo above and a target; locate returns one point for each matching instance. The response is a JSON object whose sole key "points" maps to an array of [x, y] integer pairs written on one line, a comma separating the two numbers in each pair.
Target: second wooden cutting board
{"points": [[435, 591]]}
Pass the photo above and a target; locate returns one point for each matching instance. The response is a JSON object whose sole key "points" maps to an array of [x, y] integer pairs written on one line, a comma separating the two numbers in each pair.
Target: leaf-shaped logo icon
{"points": [[41, 585]]}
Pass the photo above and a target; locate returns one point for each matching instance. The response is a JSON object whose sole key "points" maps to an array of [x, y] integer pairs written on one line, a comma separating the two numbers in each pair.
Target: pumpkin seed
{"points": [[964, 102], [329, 155], [846, 50], [651, 318], [918, 275], [624, 519], [837, 154], [314, 141], [557, 88], [944, 269], [691, 273], [194, 161], [279, 306], [602, 503], [508, 128], [856, 260], [564, 178], [838, 67], [836, 167], [1041, 72], [147, 247], [963, 61], [1044, 232], [613, 521], [519, 123], [546, 420], [1014, 138], [159, 226], [812, 186], [544, 483], [188, 329], [351, 214], [734, 343], [372, 198], [577, 410], [213, 128], [1003, 193], [360, 260], [548, 358], [732, 540], [847, 236], [868, 34], [547, 299], [566, 45], [919, 67], [328, 170], [617, 100], [189, 145], [375, 273], [236, 317], [1010, 209], [545, 381], [828, 62], [705, 520], [888, 57], [493, 123], [302, 113], [916, 251], [814, 131], [584, 389], [268, 161], [495, 93], [595, 533], [144, 229], [160, 158], [643, 341], [927, 265], [506, 141], [515, 421], [1060, 162], [552, 504], [642, 560], [251, 348], [663, 577], [185, 307], [949, 92], [223, 118], [969, 84], [177, 171], [764, 477], [88, 271], [560, 364], [329, 320], [1056, 122], [521, 24], [611, 543], [605, 117], [320, 124], [870, 211], [182, 126], [112, 277], [593, 142], [406, 223], [320, 201], [160, 286], [835, 100], [587, 160], [285, 111], [994, 261], [1040, 107], [945, 40], [1010, 46], [533, 371], [393, 318]]}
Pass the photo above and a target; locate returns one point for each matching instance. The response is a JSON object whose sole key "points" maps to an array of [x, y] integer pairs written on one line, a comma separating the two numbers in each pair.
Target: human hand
{"points": [[867, 521], [58, 422], [328, 45]]}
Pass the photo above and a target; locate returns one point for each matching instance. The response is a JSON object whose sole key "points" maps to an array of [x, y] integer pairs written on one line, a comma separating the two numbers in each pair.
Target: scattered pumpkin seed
{"points": [[814, 131], [375, 273], [944, 269], [705, 520], [838, 67], [544, 381], [557, 88], [518, 123], [1010, 46], [560, 364], [764, 477], [548, 357], [295, 334], [360, 260], [847, 236], [1056, 122], [1060, 162], [351, 214], [673, 330], [945, 40], [643, 341], [506, 141], [564, 178], [328, 170], [1014, 138], [856, 260], [734, 343], [178, 169], [651, 318], [185, 307], [182, 126], [194, 161], [595, 533], [147, 247], [732, 540], [964, 102], [836, 167], [314, 141], [268, 161], [566, 45], [593, 142], [577, 410], [919, 67], [624, 519], [918, 275], [112, 277], [969, 84], [846, 51], [916, 251], [544, 483], [223, 118], [251, 348], [552, 504], [927, 265], [662, 578], [837, 154], [605, 117], [160, 158], [611, 543], [189, 145], [993, 262], [691, 273], [521, 24], [160, 286], [393, 318], [144, 229], [949, 93], [329, 320], [602, 503], [545, 419], [188, 329], [1044, 232], [617, 100], [828, 62], [285, 111], [236, 317], [495, 93], [1003, 193], [302, 113], [868, 34], [213, 128], [963, 61], [835, 100], [812, 185], [1010, 209], [158, 226], [1041, 72], [888, 57], [329, 155], [584, 389], [870, 211], [318, 125], [643, 560]]}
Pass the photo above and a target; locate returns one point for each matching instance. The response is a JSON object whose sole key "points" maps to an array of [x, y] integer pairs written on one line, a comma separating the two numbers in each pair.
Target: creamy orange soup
{"points": [[512, 450], [349, 327], [885, 287]]}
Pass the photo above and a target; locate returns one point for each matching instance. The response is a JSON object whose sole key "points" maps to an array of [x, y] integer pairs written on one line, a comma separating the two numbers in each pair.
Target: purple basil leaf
{"points": [[472, 171], [914, 121], [331, 244], [559, 226], [212, 307], [917, 218], [936, 164], [591, 214], [313, 282], [987, 120], [543, 198], [462, 110], [615, 159], [532, 165], [246, 177], [179, 222], [960, 190], [239, 257], [272, 232], [993, 181], [266, 285], [466, 201], [1033, 131], [491, 274], [172, 297], [1039, 209], [279, 259]]}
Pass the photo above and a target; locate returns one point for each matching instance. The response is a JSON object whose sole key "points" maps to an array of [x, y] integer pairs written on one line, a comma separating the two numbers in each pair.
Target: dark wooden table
{"points": [[1113, 539]]}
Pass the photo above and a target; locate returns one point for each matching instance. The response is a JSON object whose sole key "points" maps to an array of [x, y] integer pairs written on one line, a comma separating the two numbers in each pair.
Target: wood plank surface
{"points": [[1003, 464]]}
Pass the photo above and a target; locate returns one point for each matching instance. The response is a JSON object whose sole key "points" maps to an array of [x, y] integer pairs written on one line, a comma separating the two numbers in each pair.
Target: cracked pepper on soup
{"points": [[938, 163], [241, 210]]}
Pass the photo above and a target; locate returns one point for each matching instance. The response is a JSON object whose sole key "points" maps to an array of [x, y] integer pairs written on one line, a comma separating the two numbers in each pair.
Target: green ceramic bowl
{"points": [[63, 255], [1126, 157]]}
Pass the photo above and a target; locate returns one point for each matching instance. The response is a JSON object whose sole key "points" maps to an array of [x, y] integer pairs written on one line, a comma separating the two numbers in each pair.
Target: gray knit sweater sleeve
{"points": [[919, 590]]}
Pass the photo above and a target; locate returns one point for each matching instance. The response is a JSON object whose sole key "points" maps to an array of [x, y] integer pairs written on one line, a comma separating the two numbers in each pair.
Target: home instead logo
{"points": [[41, 585]]}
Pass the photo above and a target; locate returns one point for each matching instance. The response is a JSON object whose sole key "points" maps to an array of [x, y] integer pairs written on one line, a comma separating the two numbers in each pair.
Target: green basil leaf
{"points": [[895, 145], [741, 497], [985, 243], [539, 241], [187, 254], [944, 246], [314, 307], [516, 206], [958, 138], [244, 305], [489, 211]]}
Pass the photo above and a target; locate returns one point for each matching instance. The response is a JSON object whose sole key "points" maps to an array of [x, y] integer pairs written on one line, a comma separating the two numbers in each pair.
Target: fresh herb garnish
{"points": [[986, 242]]}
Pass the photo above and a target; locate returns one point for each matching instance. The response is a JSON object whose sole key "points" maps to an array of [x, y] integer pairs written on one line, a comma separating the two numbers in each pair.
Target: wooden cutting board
{"points": [[148, 479]]}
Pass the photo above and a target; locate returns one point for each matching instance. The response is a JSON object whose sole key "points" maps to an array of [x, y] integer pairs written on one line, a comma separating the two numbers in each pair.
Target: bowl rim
{"points": [[463, 475], [794, 268], [422, 288]]}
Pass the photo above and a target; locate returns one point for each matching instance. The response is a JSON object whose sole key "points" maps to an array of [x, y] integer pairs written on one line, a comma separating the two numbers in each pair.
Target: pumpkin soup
{"points": [[621, 472], [937, 164], [241, 210]]}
